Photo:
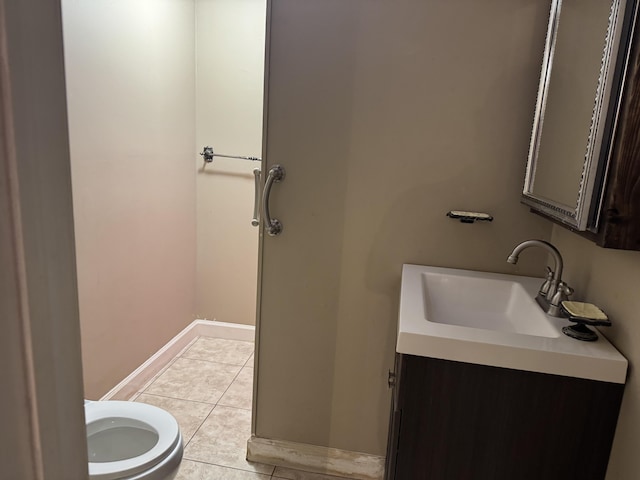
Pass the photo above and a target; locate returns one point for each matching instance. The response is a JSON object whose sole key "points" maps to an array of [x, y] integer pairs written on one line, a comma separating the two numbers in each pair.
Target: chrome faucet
{"points": [[553, 291]]}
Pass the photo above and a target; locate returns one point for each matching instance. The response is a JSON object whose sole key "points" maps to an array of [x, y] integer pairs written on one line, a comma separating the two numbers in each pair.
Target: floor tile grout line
{"points": [[178, 398], [214, 407], [199, 426], [211, 406], [251, 357], [166, 367], [209, 414], [229, 386], [214, 361], [188, 346], [235, 468], [235, 408], [157, 375], [231, 406], [189, 399], [206, 338], [242, 343]]}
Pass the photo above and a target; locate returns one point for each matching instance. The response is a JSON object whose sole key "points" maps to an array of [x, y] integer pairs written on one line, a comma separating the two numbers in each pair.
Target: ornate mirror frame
{"points": [[584, 214]]}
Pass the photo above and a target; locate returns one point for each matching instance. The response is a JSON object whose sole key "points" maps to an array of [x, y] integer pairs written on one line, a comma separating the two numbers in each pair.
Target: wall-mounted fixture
{"points": [[255, 221], [272, 226], [469, 217], [208, 154], [581, 171]]}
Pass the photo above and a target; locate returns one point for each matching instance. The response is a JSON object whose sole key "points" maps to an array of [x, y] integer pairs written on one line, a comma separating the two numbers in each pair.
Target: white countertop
{"points": [[556, 354]]}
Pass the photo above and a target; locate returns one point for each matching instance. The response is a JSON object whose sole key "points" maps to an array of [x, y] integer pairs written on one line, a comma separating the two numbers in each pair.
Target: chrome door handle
{"points": [[255, 221], [273, 226]]}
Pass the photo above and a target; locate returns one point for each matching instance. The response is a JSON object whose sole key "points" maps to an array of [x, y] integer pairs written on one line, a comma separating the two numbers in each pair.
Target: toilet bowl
{"points": [[131, 441]]}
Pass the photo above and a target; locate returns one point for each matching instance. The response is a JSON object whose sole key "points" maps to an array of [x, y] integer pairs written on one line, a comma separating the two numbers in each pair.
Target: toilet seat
{"points": [[132, 415]]}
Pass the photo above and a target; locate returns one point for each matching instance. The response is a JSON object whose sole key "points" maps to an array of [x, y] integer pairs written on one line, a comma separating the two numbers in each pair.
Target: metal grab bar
{"points": [[273, 226], [207, 154], [255, 221]]}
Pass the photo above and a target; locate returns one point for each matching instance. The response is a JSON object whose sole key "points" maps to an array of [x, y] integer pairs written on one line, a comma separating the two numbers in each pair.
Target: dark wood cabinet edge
{"points": [[620, 214]]}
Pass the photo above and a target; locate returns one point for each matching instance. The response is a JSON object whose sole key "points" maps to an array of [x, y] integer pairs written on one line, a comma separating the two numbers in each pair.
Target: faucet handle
{"points": [[562, 293], [544, 288]]}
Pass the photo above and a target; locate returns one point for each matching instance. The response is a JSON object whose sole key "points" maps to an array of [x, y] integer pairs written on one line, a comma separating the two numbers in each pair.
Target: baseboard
{"points": [[230, 331], [312, 458], [141, 376]]}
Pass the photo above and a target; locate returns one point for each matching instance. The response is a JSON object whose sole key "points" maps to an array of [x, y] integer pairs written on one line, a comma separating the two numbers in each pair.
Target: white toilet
{"points": [[131, 441]]}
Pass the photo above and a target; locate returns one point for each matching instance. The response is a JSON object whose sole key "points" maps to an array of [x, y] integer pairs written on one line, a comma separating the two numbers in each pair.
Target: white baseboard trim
{"points": [[146, 372], [312, 458], [230, 331]]}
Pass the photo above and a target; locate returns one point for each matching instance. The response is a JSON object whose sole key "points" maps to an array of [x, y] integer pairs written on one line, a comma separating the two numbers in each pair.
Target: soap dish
{"points": [[583, 314], [580, 331], [586, 313]]}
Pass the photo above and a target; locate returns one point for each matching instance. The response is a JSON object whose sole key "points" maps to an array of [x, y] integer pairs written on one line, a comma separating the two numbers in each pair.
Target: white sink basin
{"points": [[493, 319], [475, 300]]}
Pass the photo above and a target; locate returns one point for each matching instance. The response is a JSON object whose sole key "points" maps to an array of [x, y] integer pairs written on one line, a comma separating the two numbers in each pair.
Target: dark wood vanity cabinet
{"points": [[461, 421], [620, 212]]}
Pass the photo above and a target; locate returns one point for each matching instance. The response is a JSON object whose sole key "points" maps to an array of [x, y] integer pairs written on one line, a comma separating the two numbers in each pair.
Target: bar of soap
{"points": [[464, 214], [588, 311]]}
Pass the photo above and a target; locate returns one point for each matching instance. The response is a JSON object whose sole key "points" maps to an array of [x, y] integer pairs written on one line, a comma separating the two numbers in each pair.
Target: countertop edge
{"points": [[504, 356]]}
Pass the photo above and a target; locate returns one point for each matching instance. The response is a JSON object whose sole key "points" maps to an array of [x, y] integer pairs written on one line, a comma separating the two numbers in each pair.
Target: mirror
{"points": [[578, 99]]}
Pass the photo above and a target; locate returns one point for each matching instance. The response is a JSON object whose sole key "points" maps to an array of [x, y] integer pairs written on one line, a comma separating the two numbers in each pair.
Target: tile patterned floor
{"points": [[208, 388]]}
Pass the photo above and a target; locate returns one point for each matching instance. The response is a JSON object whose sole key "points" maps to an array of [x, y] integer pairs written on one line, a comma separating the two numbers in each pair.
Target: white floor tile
{"points": [[220, 350], [240, 393], [189, 414], [190, 470], [222, 440], [195, 380]]}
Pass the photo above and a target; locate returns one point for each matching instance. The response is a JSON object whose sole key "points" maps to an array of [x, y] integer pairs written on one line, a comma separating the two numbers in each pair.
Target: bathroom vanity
{"points": [[455, 420], [487, 387]]}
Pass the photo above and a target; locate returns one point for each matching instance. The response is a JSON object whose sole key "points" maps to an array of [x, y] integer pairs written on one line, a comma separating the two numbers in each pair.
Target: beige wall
{"points": [[611, 280], [386, 115], [229, 98], [130, 82]]}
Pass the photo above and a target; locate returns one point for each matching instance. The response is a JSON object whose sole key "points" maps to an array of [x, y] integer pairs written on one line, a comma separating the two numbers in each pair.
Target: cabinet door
{"points": [[465, 421]]}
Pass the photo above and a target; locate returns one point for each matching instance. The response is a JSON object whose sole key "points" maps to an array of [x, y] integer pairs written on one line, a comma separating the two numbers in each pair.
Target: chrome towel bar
{"points": [[207, 153], [255, 221]]}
